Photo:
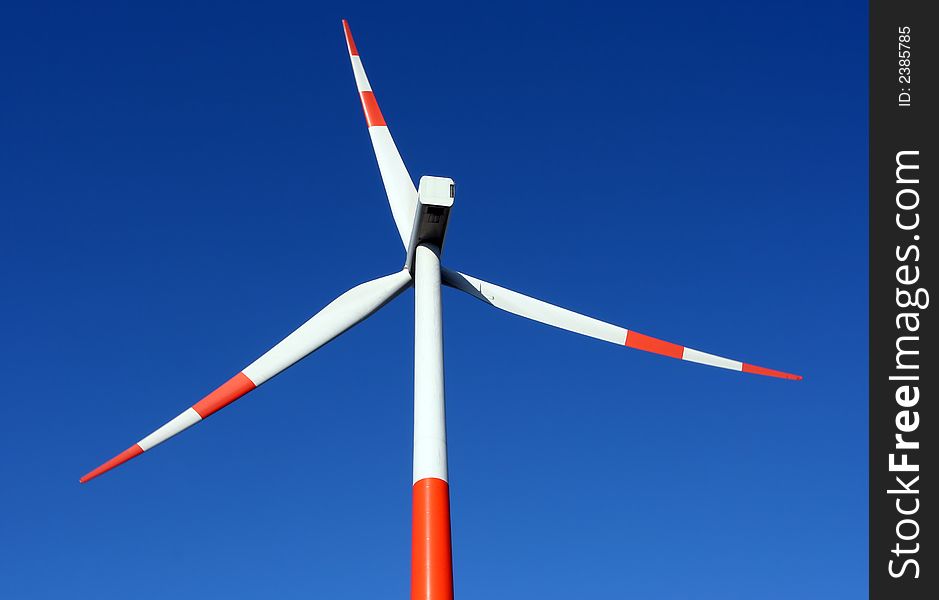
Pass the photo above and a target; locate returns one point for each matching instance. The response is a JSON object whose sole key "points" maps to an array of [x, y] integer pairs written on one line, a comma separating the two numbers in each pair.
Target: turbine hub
{"points": [[434, 201]]}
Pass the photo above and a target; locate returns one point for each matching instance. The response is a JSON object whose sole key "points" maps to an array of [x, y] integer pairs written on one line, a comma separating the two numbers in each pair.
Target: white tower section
{"points": [[430, 430]]}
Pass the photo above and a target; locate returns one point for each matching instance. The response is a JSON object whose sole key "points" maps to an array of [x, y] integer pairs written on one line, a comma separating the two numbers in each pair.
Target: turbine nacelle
{"points": [[434, 201]]}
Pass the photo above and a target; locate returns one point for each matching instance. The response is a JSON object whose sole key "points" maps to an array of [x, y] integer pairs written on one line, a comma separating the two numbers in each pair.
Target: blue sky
{"points": [[184, 183]]}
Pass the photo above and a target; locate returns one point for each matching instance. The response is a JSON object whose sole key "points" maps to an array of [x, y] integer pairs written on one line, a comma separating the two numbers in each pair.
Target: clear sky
{"points": [[184, 183]]}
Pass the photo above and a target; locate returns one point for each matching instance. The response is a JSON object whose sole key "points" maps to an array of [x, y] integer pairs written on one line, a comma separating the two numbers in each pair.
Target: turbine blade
{"points": [[338, 316], [543, 312], [402, 195]]}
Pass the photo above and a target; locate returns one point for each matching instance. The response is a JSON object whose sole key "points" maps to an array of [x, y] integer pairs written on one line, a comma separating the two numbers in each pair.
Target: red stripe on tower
{"points": [[349, 41], [120, 459], [373, 115], [431, 559], [650, 344], [748, 368], [228, 392]]}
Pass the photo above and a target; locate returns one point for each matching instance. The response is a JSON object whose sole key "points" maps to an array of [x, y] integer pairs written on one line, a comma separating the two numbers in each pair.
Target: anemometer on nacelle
{"points": [[434, 201]]}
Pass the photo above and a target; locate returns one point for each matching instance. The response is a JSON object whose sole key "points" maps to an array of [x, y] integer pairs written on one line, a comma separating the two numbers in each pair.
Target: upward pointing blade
{"points": [[326, 325], [402, 195]]}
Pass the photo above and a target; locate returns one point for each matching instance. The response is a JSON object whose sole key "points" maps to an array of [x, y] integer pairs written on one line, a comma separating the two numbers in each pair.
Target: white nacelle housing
{"points": [[436, 191], [434, 200]]}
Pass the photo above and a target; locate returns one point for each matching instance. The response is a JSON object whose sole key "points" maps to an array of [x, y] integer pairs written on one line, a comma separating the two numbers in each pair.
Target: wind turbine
{"points": [[421, 216]]}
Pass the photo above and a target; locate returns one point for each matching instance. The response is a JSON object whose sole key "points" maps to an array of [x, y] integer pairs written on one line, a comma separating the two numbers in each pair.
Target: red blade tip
{"points": [[352, 49], [748, 368], [120, 459]]}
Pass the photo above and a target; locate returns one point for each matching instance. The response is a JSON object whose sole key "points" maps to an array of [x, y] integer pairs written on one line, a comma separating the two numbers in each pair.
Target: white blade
{"points": [[538, 310], [402, 195], [326, 325], [336, 317]]}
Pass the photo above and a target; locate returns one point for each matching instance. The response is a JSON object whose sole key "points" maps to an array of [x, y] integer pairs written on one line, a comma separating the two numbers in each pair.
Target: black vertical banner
{"points": [[904, 369]]}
